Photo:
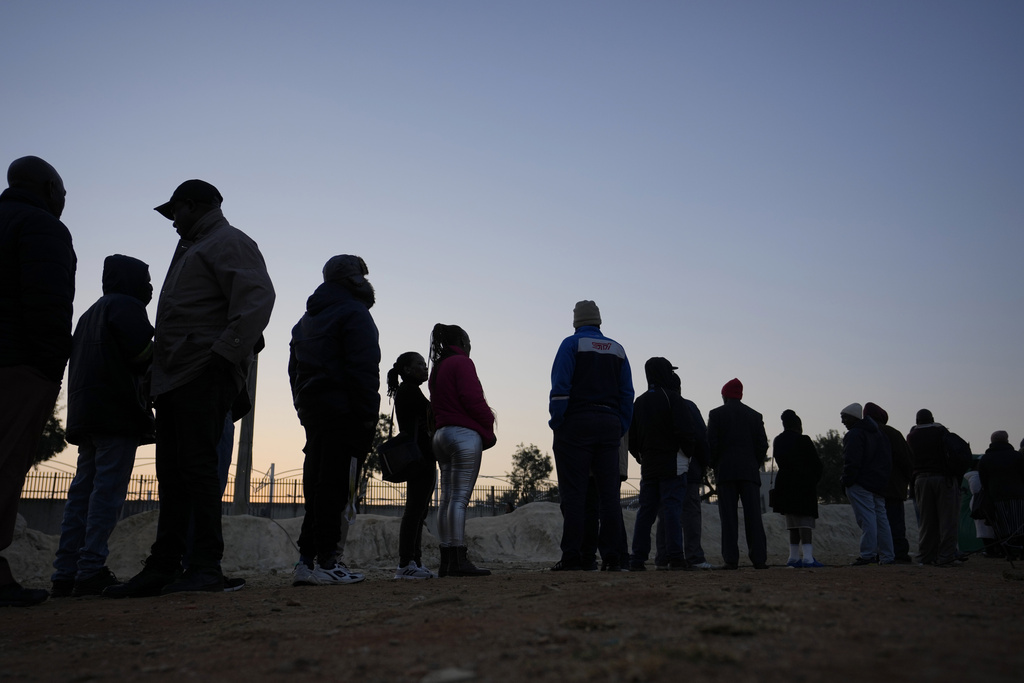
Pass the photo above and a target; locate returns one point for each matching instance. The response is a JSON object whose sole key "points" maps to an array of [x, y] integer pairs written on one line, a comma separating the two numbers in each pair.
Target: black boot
{"points": [[446, 560], [461, 566]]}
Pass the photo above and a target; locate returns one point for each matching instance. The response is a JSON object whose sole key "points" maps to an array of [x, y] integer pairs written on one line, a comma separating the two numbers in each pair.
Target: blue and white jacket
{"points": [[590, 372]]}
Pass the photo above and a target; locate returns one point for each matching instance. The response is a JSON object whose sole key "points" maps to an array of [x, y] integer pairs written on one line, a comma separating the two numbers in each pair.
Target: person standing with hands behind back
{"points": [[465, 429]]}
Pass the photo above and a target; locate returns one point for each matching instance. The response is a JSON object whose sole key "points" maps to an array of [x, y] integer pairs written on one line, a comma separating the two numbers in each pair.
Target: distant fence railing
{"points": [[288, 491], [375, 493]]}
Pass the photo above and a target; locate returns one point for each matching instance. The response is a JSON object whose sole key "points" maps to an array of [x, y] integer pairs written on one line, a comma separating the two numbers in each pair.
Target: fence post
{"points": [[270, 502], [243, 470]]}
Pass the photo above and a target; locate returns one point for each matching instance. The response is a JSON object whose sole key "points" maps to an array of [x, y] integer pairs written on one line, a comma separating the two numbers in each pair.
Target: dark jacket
{"points": [[927, 445], [111, 352], [737, 442], [334, 365], [796, 484], [412, 412], [1001, 470], [37, 285], [867, 461], [902, 471], [590, 372], [700, 456], [662, 426]]}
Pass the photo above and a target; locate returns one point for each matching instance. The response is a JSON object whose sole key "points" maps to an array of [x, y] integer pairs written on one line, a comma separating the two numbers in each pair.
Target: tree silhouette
{"points": [[52, 441], [529, 468], [830, 449]]}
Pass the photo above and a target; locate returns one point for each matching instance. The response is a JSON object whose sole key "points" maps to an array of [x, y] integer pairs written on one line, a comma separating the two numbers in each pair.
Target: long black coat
{"points": [[737, 442], [796, 484]]}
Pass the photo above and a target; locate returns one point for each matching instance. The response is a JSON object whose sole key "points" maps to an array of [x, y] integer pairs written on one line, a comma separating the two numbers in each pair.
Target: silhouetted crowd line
{"points": [[192, 367]]}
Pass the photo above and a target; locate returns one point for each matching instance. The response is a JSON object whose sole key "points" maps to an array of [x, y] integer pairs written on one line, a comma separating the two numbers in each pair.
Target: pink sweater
{"points": [[457, 398]]}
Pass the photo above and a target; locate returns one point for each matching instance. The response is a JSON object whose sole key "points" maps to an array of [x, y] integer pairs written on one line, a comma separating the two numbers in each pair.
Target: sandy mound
{"points": [[256, 545]]}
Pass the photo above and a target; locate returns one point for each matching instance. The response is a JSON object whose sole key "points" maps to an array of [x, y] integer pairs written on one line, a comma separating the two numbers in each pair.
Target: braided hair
{"points": [[442, 338]]}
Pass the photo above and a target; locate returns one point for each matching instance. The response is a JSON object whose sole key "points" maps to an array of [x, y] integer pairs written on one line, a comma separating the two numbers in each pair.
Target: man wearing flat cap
{"points": [[215, 303], [591, 406]]}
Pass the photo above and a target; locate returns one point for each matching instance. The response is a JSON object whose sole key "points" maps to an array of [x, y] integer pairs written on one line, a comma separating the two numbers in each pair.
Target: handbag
{"points": [[400, 456]]}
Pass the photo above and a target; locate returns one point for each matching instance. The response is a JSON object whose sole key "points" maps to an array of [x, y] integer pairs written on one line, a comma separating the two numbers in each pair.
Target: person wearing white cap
{"points": [[867, 463]]}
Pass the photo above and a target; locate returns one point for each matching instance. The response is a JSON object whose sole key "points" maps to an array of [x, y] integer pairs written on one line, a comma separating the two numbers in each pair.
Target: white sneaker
{"points": [[703, 565], [336, 575], [302, 575], [414, 571]]}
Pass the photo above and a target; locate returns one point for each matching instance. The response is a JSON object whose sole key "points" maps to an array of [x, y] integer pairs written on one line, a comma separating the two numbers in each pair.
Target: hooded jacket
{"points": [[662, 426], [111, 352], [867, 460], [334, 366], [37, 285]]}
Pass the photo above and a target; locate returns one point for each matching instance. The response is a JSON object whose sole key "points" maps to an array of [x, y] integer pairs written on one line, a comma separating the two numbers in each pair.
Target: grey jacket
{"points": [[216, 299]]}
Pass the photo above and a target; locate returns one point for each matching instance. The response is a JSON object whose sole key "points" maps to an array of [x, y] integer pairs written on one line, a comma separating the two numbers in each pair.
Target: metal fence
{"points": [[266, 492]]}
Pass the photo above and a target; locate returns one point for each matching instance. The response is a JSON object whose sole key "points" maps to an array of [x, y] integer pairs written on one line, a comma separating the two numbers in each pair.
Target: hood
{"points": [[127, 275], [330, 293]]}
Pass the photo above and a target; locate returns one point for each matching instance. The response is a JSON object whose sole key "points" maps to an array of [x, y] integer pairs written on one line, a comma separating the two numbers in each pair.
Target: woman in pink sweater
{"points": [[464, 429]]}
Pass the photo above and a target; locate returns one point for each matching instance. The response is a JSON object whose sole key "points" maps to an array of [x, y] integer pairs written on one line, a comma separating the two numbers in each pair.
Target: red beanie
{"points": [[733, 389]]}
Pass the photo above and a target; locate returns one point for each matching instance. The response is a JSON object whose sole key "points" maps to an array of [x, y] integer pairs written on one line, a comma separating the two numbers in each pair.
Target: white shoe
{"points": [[336, 575], [703, 565], [414, 571], [302, 575]]}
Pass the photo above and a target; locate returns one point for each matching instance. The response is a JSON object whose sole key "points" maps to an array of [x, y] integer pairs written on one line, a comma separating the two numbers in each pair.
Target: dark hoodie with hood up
{"points": [[662, 424], [334, 365], [110, 353], [867, 457]]}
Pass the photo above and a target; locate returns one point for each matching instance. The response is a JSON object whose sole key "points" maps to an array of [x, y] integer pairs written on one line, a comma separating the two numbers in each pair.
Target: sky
{"points": [[823, 200]]}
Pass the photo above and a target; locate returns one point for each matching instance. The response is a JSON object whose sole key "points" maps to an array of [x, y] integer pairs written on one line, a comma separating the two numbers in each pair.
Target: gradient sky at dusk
{"points": [[825, 200]]}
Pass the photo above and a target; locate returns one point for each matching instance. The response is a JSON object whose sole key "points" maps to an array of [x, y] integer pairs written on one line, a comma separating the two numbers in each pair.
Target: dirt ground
{"points": [[526, 623]]}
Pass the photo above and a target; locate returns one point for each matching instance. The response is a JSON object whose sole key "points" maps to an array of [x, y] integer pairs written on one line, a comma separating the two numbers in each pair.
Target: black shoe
{"points": [[864, 562], [612, 567], [591, 566], [729, 567], [232, 585], [563, 566], [95, 584], [196, 581], [761, 566], [639, 567], [147, 583], [62, 588], [677, 565], [13, 595], [461, 566]]}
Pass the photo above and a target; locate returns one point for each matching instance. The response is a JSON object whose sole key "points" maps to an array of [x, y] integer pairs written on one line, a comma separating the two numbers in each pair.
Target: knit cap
{"points": [[853, 410], [733, 389], [586, 313]]}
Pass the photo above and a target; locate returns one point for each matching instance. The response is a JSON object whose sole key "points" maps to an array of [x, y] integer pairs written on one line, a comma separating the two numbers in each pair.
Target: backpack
{"points": [[958, 455]]}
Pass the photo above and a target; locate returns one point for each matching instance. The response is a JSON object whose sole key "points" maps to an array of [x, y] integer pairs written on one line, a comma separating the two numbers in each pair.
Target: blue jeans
{"points": [[666, 495], [588, 443], [94, 503], [692, 522], [875, 536]]}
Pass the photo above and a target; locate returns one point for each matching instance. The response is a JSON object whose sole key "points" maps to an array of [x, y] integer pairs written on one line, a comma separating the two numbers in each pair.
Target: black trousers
{"points": [[331, 445], [189, 424]]}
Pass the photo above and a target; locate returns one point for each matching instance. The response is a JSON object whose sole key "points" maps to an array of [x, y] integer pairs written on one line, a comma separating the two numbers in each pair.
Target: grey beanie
{"points": [[586, 313]]}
